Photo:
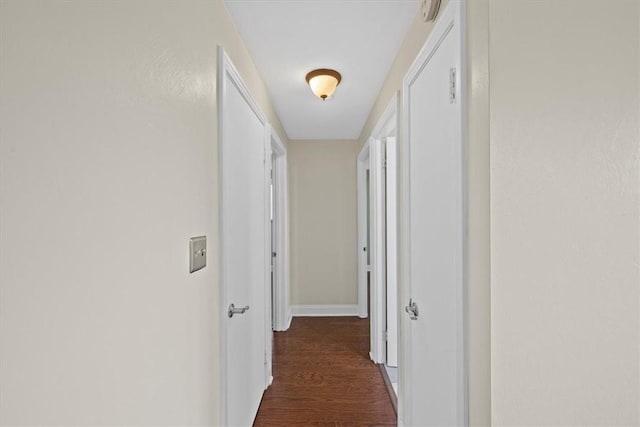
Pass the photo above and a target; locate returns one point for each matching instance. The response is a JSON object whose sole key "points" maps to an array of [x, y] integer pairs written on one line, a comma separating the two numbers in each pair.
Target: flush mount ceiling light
{"points": [[323, 82]]}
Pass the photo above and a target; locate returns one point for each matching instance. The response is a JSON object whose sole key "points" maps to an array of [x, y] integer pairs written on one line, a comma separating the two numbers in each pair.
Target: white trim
{"points": [[392, 307], [280, 183], [324, 310], [387, 126], [268, 332], [451, 17], [361, 249], [463, 99], [363, 155], [228, 74], [377, 256], [289, 318]]}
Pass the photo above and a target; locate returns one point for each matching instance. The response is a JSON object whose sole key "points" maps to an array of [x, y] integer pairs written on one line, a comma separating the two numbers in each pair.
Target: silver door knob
{"points": [[412, 309], [237, 310]]}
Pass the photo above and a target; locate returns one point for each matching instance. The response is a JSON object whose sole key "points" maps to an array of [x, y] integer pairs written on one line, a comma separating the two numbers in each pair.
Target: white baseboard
{"points": [[289, 319], [324, 310], [283, 326]]}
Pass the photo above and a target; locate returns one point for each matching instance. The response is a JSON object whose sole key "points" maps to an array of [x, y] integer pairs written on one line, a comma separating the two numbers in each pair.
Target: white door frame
{"points": [[387, 126], [372, 158], [362, 167], [276, 161], [391, 258], [453, 15], [228, 74], [377, 239], [282, 308]]}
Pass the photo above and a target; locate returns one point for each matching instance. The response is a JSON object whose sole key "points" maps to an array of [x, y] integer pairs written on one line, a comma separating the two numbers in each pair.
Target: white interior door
{"points": [[377, 250], [243, 257], [392, 251], [273, 224], [436, 392], [363, 230]]}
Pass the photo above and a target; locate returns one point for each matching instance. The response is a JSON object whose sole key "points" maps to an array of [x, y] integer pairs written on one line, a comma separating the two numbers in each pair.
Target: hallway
{"points": [[323, 376]]}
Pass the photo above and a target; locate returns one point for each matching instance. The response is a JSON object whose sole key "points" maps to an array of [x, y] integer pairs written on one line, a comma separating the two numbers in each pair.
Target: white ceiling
{"points": [[288, 38]]}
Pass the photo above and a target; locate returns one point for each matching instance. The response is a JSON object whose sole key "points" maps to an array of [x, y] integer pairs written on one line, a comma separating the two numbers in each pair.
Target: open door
{"points": [[244, 249], [377, 250], [433, 241], [392, 251], [363, 230]]}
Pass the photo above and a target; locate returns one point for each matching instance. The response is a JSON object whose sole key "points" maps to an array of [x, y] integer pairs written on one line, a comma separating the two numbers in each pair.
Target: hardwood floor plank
{"points": [[323, 377]]}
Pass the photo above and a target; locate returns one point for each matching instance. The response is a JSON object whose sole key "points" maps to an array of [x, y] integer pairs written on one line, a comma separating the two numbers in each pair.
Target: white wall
{"points": [[323, 230], [108, 154], [565, 212]]}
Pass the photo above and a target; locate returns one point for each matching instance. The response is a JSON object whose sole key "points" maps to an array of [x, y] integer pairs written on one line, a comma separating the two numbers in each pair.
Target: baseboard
{"points": [[289, 319], [283, 326], [324, 310], [387, 383]]}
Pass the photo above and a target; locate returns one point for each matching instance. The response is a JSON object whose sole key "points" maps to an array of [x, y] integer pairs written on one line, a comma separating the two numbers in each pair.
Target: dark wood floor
{"points": [[323, 377]]}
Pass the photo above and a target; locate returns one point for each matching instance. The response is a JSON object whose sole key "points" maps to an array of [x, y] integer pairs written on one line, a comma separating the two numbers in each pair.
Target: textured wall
{"points": [[108, 164], [565, 212], [322, 205]]}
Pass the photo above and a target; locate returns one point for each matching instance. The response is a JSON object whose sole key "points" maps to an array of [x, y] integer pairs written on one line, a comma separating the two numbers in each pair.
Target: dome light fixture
{"points": [[323, 82]]}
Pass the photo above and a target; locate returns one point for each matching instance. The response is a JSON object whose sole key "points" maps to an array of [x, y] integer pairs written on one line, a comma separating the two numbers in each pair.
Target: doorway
{"points": [[377, 219], [278, 309]]}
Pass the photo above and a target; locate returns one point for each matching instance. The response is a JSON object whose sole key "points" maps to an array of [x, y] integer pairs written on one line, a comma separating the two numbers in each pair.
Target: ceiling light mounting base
{"points": [[430, 10]]}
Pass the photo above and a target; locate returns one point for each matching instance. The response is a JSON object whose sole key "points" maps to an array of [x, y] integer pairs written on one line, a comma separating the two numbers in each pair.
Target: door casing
{"points": [[282, 309]]}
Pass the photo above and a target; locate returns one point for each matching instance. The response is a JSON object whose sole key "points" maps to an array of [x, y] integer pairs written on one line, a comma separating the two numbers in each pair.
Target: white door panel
{"points": [[392, 253], [377, 250], [435, 276], [242, 252]]}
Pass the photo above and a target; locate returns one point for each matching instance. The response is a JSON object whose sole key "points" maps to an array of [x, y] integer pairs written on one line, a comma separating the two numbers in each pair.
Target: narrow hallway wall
{"points": [[565, 218], [322, 200], [108, 165]]}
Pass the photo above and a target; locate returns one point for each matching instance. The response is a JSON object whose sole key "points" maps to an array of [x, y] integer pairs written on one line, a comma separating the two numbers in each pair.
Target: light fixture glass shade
{"points": [[323, 82]]}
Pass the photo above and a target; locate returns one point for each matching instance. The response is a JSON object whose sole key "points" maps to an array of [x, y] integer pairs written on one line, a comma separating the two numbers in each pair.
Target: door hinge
{"points": [[386, 335], [452, 86]]}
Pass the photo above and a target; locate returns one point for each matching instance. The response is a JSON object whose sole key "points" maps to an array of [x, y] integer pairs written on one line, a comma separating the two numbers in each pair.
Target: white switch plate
{"points": [[197, 253]]}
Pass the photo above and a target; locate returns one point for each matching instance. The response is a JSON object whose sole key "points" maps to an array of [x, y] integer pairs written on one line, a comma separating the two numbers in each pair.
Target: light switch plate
{"points": [[197, 253]]}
